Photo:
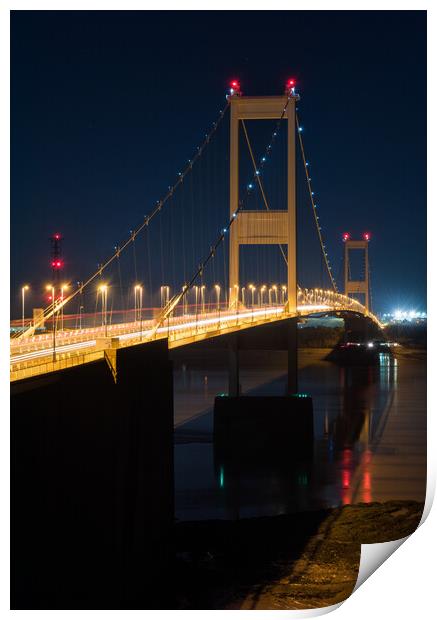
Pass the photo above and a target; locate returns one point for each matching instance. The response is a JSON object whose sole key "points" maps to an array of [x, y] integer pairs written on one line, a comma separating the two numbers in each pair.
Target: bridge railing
{"points": [[18, 371]]}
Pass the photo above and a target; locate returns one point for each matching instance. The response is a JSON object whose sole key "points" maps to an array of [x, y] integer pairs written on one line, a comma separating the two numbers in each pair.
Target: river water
{"points": [[369, 437]]}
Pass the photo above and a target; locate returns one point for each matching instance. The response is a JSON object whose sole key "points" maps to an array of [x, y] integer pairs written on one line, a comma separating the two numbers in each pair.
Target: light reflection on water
{"points": [[350, 410]]}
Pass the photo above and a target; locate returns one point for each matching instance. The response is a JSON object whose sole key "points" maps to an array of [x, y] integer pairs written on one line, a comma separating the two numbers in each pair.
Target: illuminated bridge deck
{"points": [[33, 355]]}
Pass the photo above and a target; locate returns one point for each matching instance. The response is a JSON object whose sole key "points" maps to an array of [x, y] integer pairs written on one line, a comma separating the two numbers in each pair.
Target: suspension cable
{"points": [[55, 307], [175, 300], [313, 205]]}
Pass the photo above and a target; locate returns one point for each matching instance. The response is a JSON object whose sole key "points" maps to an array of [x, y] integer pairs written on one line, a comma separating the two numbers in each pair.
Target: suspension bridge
{"points": [[217, 254]]}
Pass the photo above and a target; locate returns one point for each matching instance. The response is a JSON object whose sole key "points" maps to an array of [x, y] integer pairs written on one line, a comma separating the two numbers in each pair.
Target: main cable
{"points": [[313, 205], [177, 298], [54, 308]]}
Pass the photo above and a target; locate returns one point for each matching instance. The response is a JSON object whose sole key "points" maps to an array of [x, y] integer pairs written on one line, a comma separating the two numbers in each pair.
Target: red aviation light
{"points": [[366, 236], [57, 264], [346, 236], [289, 86], [234, 87]]}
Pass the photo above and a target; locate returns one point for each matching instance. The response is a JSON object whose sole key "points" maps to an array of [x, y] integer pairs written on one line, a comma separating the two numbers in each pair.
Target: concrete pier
{"points": [[92, 482], [263, 428]]}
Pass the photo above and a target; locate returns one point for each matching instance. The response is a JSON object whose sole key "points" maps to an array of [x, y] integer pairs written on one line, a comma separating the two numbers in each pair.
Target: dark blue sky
{"points": [[106, 107]]}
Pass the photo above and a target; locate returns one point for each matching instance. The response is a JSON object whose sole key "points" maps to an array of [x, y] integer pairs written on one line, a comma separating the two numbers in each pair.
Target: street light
{"points": [[217, 290], [136, 291], [253, 289], [80, 285], [103, 289], [243, 296], [263, 288], [275, 288], [184, 300], [64, 287], [139, 306], [51, 288], [165, 295], [284, 290], [237, 292], [23, 290], [202, 297]]}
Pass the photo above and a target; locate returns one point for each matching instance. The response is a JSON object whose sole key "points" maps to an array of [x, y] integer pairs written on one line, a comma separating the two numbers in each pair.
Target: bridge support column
{"points": [[234, 248], [92, 483]]}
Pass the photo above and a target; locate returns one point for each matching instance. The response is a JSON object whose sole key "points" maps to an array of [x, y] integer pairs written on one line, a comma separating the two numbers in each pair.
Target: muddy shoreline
{"points": [[297, 561]]}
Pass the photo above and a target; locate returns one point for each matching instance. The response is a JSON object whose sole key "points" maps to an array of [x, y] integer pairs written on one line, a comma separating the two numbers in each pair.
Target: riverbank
{"points": [[298, 561]]}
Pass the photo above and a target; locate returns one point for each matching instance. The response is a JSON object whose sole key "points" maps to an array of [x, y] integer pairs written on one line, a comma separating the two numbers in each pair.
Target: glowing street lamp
{"points": [[64, 287], [184, 300], [236, 295], [80, 286], [253, 289], [275, 289], [23, 291], [262, 290], [51, 288], [138, 290], [202, 297], [243, 296], [136, 301], [284, 290], [165, 295], [103, 290], [217, 291]]}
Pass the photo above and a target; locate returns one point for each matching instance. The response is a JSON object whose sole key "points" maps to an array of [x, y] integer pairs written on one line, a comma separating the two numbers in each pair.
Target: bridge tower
{"points": [[352, 287], [262, 227]]}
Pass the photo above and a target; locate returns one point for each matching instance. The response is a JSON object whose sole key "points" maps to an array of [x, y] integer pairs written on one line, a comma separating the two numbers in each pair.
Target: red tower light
{"points": [[235, 88], [346, 236], [289, 86], [366, 236]]}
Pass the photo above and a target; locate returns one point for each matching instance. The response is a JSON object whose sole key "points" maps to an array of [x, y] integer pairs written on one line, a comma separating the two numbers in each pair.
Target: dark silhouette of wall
{"points": [[92, 483]]}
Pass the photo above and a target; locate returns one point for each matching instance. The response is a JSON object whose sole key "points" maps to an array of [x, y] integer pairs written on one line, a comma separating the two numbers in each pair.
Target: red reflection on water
{"points": [[367, 481], [367, 477], [346, 475], [346, 479], [347, 457]]}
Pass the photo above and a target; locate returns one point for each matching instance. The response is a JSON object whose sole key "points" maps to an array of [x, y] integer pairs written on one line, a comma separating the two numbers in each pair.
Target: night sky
{"points": [[107, 106]]}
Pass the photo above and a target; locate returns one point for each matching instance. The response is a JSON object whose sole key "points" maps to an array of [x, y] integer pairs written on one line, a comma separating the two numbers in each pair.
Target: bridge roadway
{"points": [[33, 355]]}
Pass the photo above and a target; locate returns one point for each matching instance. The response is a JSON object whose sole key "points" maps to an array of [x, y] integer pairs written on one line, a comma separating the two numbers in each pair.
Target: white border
{"points": [[405, 583]]}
